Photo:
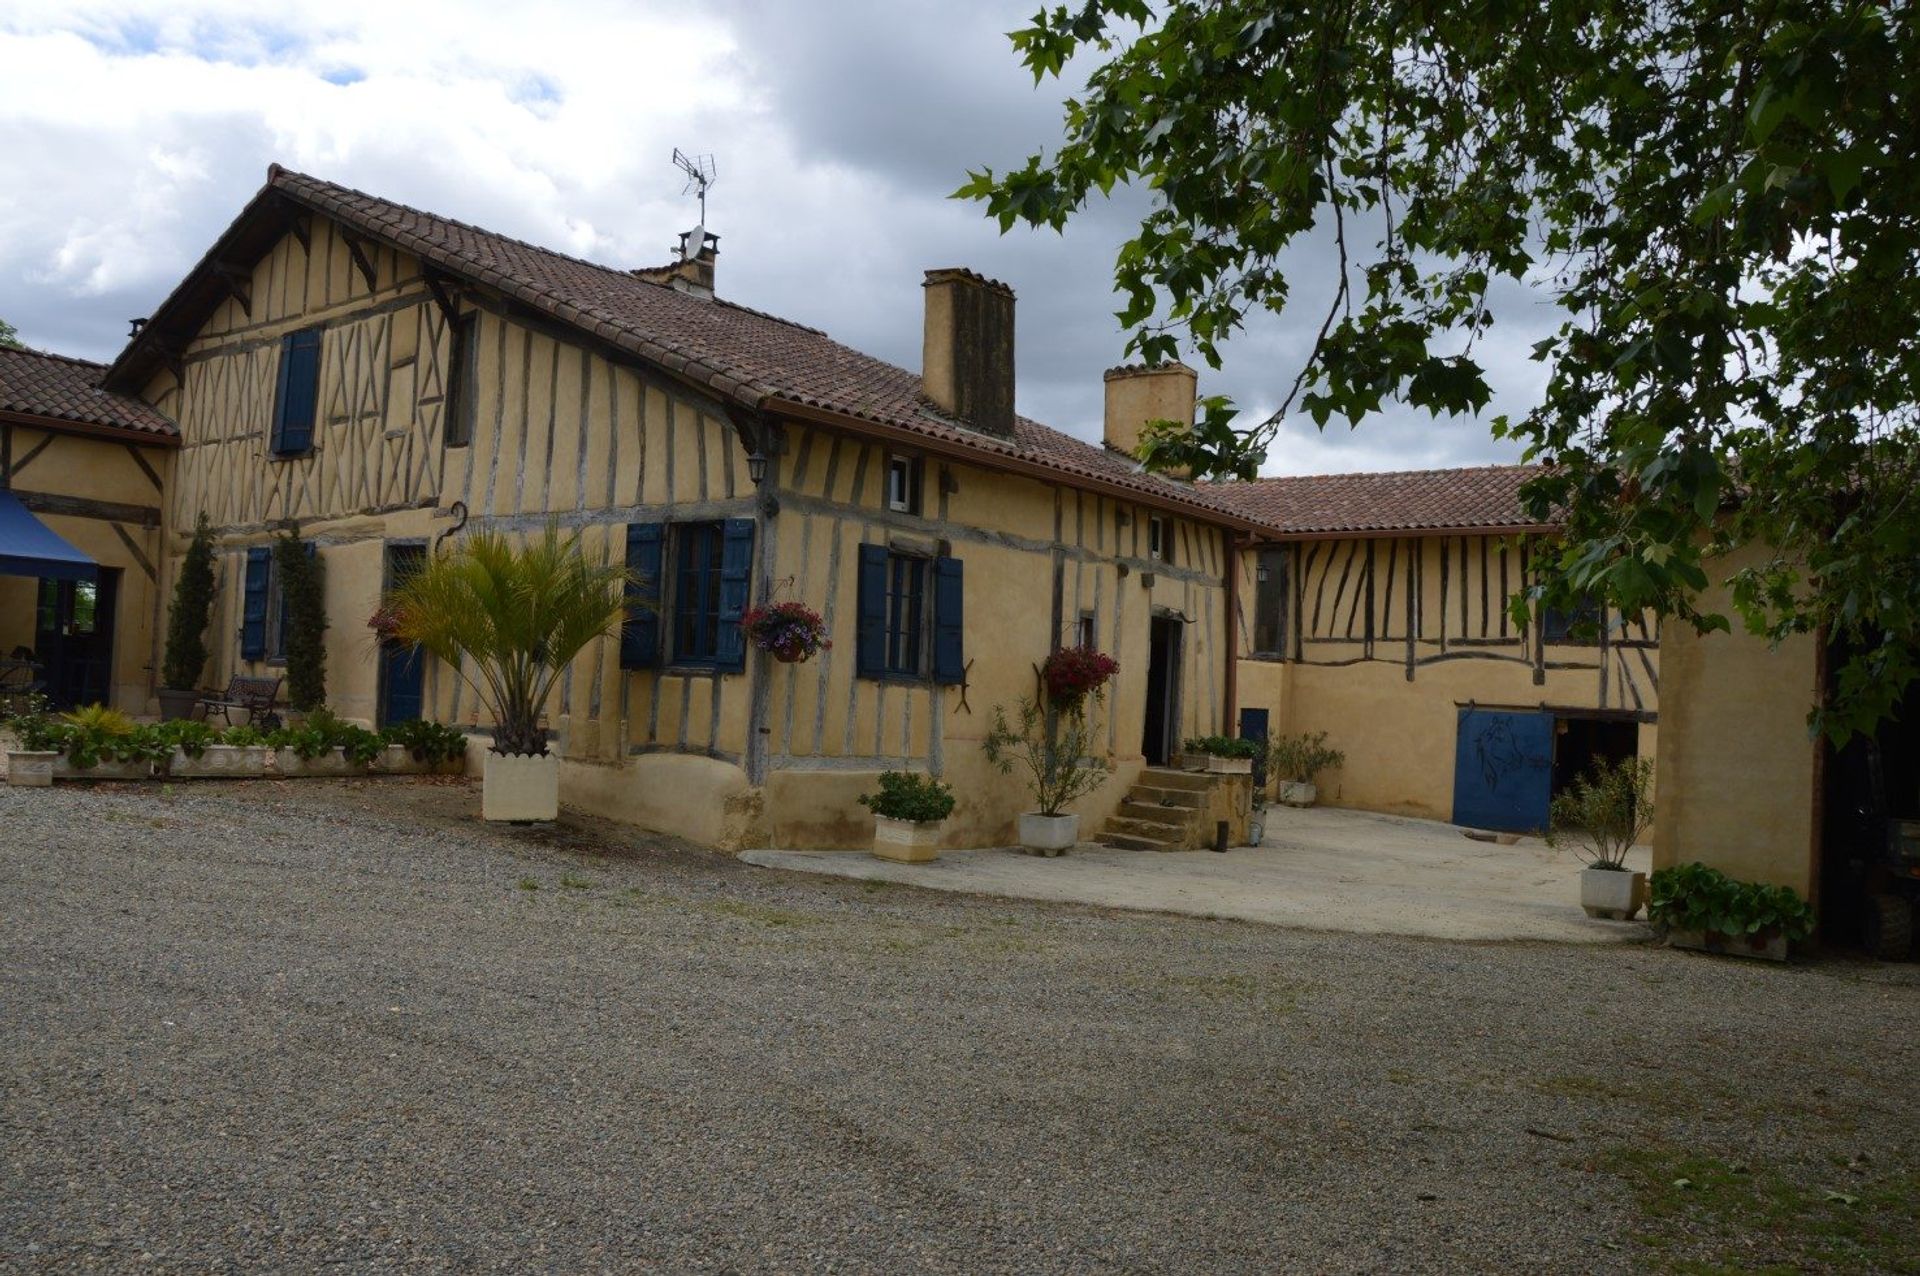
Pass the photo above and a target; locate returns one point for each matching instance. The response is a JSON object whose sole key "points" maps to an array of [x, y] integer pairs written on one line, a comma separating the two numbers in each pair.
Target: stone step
{"points": [[1165, 777], [1155, 829], [1152, 795], [1174, 816], [1128, 842]]}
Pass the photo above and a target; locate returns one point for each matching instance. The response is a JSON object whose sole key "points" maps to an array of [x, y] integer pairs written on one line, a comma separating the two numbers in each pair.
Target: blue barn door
{"points": [[1503, 770], [402, 665], [1253, 726]]}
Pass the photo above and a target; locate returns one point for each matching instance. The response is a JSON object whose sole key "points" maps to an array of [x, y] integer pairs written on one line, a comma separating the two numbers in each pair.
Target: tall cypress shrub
{"points": [[186, 653], [303, 593]]}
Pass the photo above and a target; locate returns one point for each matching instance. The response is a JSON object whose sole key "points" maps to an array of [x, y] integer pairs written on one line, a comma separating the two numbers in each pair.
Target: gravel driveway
{"points": [[282, 1025]]}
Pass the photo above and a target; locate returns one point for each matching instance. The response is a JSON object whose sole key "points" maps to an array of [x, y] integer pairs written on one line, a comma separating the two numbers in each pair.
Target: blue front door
{"points": [[402, 665], [1503, 770], [1253, 726]]}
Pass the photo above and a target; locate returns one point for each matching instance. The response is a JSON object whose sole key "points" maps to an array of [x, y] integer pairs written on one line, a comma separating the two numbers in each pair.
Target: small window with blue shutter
{"points": [[708, 580], [296, 393], [640, 635], [911, 616], [254, 608]]}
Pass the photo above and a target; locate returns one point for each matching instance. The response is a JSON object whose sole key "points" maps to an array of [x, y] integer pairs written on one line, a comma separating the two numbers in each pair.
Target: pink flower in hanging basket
{"points": [[1072, 674], [791, 632], [385, 622]]}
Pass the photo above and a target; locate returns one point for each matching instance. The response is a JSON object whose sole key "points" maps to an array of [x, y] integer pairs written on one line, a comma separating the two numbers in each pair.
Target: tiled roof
{"points": [[60, 388], [740, 354], [1482, 497]]}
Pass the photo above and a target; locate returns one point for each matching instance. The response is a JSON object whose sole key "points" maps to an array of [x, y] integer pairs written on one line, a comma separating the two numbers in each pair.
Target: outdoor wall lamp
{"points": [[757, 467], [1260, 573]]}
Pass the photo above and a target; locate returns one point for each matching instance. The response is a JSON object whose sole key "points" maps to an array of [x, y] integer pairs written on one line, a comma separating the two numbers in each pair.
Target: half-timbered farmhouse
{"points": [[378, 379]]}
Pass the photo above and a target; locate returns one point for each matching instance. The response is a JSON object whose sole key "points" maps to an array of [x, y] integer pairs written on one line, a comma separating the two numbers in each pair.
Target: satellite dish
{"points": [[692, 242]]}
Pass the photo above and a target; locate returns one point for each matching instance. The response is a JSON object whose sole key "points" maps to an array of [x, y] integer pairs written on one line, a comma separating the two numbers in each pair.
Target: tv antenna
{"points": [[700, 175]]}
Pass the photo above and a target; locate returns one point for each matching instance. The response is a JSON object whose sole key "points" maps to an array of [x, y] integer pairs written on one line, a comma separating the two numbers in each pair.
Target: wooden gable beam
{"points": [[360, 259], [297, 226], [239, 284], [444, 291]]}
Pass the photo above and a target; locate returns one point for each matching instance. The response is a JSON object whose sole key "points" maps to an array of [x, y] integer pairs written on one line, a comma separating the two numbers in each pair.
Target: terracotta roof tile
{"points": [[1486, 496], [66, 389]]}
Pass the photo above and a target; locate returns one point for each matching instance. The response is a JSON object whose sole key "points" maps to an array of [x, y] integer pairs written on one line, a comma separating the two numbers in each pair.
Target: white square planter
{"points": [[1297, 793], [30, 770], [520, 787], [1611, 893], [1229, 766], [331, 763], [64, 769], [220, 762], [1049, 834], [906, 841]]}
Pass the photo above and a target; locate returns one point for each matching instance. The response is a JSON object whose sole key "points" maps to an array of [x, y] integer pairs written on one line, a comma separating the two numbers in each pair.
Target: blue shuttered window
{"points": [[640, 636], [911, 616], [736, 575], [296, 394], [253, 616]]}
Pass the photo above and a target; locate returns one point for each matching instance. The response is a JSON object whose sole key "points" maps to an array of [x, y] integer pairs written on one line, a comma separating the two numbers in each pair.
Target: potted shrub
{"points": [[35, 741], [1053, 750], [1600, 816], [510, 619], [420, 747], [203, 752], [909, 813], [186, 650], [791, 632], [322, 745], [1225, 754], [1298, 760], [1703, 908], [99, 743], [303, 586]]}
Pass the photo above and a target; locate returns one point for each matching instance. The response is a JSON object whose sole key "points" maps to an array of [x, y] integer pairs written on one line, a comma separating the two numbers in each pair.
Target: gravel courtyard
{"points": [[284, 1025]]}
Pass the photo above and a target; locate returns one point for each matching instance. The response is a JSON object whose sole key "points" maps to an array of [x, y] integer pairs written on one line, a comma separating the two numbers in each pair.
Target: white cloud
{"points": [[132, 131]]}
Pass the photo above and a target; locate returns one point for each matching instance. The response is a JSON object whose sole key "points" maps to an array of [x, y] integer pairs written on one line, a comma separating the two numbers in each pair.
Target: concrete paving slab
{"points": [[1320, 869]]}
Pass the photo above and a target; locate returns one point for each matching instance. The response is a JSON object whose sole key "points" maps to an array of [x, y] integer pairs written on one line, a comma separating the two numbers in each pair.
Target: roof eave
{"points": [[1272, 535], [65, 425]]}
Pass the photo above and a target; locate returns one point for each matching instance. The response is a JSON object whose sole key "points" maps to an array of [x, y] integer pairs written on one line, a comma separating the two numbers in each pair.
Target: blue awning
{"points": [[28, 547]]}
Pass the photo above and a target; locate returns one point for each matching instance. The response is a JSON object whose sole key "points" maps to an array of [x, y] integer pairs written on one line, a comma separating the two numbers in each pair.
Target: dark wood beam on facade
{"points": [[444, 290], [153, 475], [358, 252], [239, 284], [85, 507], [297, 223]]}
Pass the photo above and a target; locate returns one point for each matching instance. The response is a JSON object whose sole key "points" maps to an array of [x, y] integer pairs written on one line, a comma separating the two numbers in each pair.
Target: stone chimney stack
{"points": [[966, 362], [691, 272], [1137, 394]]}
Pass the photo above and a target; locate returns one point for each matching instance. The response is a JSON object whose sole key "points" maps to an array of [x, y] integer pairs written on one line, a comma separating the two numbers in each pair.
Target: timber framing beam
{"points": [[86, 507], [357, 250], [445, 292], [239, 284]]}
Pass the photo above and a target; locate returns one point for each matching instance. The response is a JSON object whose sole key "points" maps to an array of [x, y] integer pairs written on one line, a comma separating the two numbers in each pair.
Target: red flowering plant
{"points": [[791, 631], [1071, 674], [385, 621]]}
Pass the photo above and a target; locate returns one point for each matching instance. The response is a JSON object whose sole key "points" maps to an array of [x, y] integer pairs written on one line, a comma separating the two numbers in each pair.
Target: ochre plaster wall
{"points": [[1736, 769]]}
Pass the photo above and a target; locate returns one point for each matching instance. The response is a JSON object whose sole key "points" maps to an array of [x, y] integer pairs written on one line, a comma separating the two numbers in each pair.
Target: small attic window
{"points": [[905, 476], [1159, 538]]}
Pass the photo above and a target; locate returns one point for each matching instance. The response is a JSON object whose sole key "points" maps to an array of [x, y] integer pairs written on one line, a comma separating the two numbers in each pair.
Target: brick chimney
{"points": [[966, 364], [691, 274], [1137, 394]]}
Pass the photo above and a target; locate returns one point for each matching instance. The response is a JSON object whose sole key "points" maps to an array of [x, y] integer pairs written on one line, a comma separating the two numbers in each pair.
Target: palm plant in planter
{"points": [[1298, 760], [186, 653], [908, 814], [1053, 748], [510, 618], [1601, 816]]}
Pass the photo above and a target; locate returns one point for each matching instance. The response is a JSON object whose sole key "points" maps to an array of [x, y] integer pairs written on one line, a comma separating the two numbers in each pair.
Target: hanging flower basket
{"points": [[790, 632], [384, 622], [1071, 674]]}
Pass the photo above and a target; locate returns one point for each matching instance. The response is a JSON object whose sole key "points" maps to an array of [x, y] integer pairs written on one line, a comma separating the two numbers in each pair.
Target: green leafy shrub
{"points": [[242, 736], [1299, 758], [188, 735], [1053, 747], [909, 795], [303, 586], [186, 653], [1222, 746], [34, 730], [321, 731], [428, 742], [1604, 812], [1693, 897]]}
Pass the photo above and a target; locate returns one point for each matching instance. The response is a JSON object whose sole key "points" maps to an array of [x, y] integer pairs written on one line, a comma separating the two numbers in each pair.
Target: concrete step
{"points": [[1176, 816], [1164, 777], [1153, 795], [1128, 842]]}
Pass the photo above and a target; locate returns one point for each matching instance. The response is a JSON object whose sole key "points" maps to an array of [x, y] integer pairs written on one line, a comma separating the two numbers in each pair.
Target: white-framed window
{"points": [[1160, 538], [1087, 632], [904, 484]]}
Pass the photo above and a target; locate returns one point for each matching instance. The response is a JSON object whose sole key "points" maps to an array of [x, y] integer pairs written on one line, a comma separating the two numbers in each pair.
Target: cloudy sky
{"points": [[132, 131]]}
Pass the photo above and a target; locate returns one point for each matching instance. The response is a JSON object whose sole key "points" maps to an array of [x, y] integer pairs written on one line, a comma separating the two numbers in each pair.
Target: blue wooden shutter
{"points": [[640, 635], [949, 619], [296, 392], [253, 614], [736, 573], [870, 645]]}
